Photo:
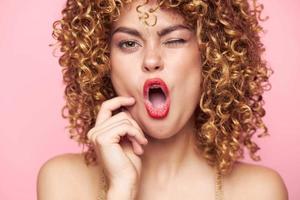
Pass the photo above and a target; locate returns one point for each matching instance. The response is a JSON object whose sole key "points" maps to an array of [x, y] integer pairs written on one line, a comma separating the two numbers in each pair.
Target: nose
{"points": [[152, 61]]}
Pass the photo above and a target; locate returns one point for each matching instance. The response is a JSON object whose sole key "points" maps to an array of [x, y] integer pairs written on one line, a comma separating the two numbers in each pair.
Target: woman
{"points": [[165, 95]]}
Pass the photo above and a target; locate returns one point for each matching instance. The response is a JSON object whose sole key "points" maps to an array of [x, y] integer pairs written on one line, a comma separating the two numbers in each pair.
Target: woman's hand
{"points": [[118, 139]]}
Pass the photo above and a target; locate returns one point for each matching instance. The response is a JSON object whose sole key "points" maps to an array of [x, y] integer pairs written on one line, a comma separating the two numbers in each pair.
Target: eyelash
{"points": [[126, 42], [171, 42], [178, 41]]}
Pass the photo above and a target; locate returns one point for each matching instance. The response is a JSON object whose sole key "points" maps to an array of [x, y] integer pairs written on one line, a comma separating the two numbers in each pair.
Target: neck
{"points": [[167, 159]]}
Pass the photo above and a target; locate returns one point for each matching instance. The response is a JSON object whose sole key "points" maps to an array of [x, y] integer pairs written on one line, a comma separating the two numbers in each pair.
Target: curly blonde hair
{"points": [[234, 74]]}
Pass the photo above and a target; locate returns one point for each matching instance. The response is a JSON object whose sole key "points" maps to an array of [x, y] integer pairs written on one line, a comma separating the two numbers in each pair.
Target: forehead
{"points": [[130, 16]]}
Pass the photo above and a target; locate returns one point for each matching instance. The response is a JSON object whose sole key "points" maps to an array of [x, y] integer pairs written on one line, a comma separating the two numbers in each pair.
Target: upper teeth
{"points": [[155, 86]]}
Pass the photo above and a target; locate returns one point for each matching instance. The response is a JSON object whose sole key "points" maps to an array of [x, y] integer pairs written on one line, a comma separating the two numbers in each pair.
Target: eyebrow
{"points": [[160, 33]]}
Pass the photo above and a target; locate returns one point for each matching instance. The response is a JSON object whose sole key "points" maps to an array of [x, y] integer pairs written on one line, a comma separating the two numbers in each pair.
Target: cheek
{"points": [[190, 91], [188, 76], [122, 64], [120, 81], [117, 75], [188, 67], [191, 84], [122, 76]]}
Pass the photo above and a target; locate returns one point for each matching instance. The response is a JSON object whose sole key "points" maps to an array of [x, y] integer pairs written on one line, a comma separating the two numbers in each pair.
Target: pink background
{"points": [[31, 126]]}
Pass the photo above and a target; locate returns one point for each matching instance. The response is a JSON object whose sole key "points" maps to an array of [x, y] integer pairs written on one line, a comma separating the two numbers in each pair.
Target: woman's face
{"points": [[168, 51]]}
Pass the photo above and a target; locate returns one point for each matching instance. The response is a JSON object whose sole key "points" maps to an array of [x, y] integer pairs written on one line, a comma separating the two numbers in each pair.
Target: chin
{"points": [[159, 134], [160, 129]]}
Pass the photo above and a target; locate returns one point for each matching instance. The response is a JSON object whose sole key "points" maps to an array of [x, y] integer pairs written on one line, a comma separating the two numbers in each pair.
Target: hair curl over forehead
{"points": [[234, 74]]}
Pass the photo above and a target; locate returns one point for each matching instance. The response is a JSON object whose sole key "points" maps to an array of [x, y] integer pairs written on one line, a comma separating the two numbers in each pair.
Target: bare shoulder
{"points": [[252, 181], [67, 176]]}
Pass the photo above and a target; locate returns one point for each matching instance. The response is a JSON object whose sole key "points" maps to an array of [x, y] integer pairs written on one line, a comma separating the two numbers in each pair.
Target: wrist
{"points": [[122, 189], [121, 193]]}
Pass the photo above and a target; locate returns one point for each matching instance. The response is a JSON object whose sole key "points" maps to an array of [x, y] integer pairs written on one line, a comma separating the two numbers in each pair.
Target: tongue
{"points": [[157, 99]]}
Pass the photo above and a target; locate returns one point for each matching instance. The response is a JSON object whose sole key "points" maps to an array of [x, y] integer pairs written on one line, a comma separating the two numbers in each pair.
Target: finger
{"points": [[106, 126], [137, 148], [131, 154], [115, 121], [133, 157], [109, 106], [134, 123], [109, 124], [124, 115], [114, 135]]}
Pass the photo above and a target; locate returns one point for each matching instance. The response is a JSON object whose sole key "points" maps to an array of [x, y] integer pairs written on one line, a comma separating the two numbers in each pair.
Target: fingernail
{"points": [[146, 141]]}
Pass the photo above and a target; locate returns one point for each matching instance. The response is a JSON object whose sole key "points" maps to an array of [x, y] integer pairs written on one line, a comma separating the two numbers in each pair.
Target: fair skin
{"points": [[158, 160], [150, 55]]}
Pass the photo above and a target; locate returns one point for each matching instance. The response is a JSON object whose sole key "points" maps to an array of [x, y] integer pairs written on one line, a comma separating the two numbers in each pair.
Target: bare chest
{"points": [[178, 192], [192, 190]]}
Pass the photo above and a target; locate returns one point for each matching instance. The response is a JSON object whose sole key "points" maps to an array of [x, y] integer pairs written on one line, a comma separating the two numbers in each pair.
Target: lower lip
{"points": [[160, 112]]}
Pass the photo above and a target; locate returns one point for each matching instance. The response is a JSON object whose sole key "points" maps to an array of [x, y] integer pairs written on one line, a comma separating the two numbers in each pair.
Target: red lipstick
{"points": [[156, 98]]}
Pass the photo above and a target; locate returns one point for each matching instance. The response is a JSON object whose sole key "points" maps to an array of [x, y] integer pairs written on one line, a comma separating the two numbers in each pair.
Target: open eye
{"points": [[128, 44]]}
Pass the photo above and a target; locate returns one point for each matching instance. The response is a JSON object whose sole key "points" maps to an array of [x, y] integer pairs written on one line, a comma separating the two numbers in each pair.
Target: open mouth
{"points": [[157, 100], [156, 96]]}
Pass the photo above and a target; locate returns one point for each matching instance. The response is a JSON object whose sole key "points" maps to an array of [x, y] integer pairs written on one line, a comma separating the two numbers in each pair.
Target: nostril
{"points": [[150, 68]]}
